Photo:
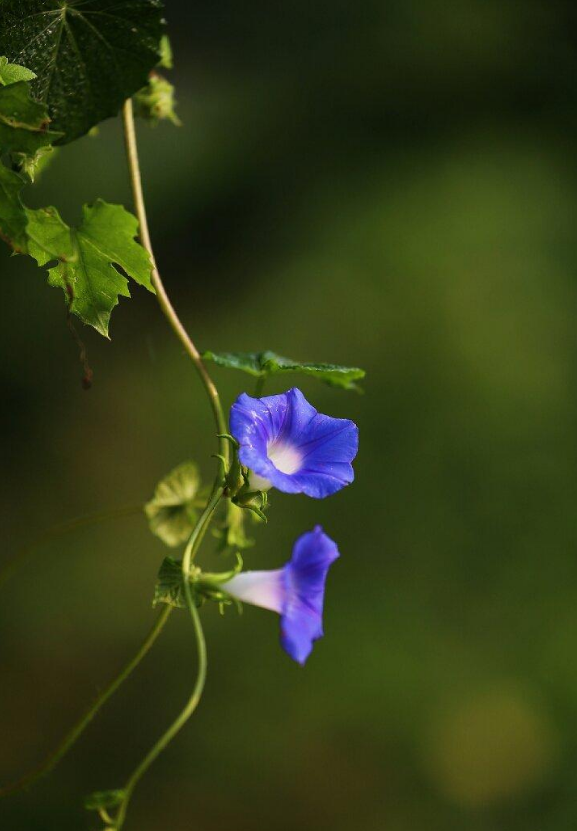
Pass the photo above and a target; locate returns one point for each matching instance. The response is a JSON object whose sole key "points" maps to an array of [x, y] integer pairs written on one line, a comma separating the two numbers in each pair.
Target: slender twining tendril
{"points": [[71, 737], [192, 703], [60, 530], [218, 487]]}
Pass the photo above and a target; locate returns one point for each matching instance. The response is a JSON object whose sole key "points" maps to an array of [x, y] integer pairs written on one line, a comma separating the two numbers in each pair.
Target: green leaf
{"points": [[172, 512], [88, 55], [10, 73], [88, 256], [101, 800], [169, 589], [231, 533], [24, 136], [166, 61], [13, 219], [261, 364], [23, 122]]}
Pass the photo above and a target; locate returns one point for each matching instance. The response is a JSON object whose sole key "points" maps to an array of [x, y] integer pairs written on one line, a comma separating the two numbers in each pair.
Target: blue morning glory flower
{"points": [[288, 445], [296, 591]]}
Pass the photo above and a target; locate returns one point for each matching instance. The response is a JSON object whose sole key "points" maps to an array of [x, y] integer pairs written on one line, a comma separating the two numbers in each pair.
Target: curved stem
{"points": [[80, 726], [60, 530], [259, 386], [192, 703], [195, 540], [217, 491], [163, 299], [175, 726]]}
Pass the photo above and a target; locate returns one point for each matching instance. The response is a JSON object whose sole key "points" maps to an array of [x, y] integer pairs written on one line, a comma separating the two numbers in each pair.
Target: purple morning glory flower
{"points": [[291, 446], [295, 591]]}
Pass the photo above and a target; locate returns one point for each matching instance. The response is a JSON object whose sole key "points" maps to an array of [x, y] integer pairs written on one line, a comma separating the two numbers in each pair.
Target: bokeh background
{"points": [[387, 184]]}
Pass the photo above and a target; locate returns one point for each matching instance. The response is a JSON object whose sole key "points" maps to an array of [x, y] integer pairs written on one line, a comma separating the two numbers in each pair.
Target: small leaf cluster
{"points": [[88, 262], [87, 57], [64, 68]]}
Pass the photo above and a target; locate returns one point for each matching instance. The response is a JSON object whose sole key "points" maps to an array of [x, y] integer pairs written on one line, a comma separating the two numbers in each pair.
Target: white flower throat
{"points": [[285, 458]]}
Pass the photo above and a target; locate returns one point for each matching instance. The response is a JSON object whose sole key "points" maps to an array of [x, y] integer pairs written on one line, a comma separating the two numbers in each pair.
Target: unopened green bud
{"points": [[155, 102], [254, 501], [234, 478]]}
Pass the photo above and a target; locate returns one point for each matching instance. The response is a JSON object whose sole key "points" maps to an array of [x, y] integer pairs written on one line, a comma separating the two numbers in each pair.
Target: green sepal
{"points": [[234, 443], [254, 501], [263, 364], [11, 73], [172, 512], [102, 800], [88, 258], [235, 478], [32, 166]]}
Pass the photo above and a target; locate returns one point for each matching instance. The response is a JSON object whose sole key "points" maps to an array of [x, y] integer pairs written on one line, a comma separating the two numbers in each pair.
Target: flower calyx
{"points": [[250, 500], [234, 477], [169, 589]]}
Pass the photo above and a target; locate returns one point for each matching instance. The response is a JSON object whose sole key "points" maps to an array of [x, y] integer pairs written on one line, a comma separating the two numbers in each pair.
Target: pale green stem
{"points": [[217, 491], [60, 530], [259, 386], [192, 703], [80, 726], [163, 299]]}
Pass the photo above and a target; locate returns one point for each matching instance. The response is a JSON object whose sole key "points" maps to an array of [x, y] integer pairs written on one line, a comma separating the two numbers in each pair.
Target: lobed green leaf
{"points": [[89, 56], [262, 364], [172, 511], [10, 73], [87, 258], [101, 800], [25, 139], [169, 588]]}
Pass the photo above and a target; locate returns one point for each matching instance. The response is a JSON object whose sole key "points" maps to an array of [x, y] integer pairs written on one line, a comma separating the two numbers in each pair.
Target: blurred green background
{"points": [[387, 184]]}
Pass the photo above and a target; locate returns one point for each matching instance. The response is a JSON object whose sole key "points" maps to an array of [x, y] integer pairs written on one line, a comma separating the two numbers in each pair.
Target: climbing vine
{"points": [[66, 66]]}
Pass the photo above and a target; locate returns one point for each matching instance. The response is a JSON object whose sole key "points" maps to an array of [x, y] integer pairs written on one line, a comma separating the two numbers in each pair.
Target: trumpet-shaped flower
{"points": [[290, 446], [295, 591]]}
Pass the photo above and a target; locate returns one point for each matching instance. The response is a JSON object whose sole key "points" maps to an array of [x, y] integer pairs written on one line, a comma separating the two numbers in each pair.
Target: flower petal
{"points": [[296, 591], [260, 588], [305, 576], [285, 441]]}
